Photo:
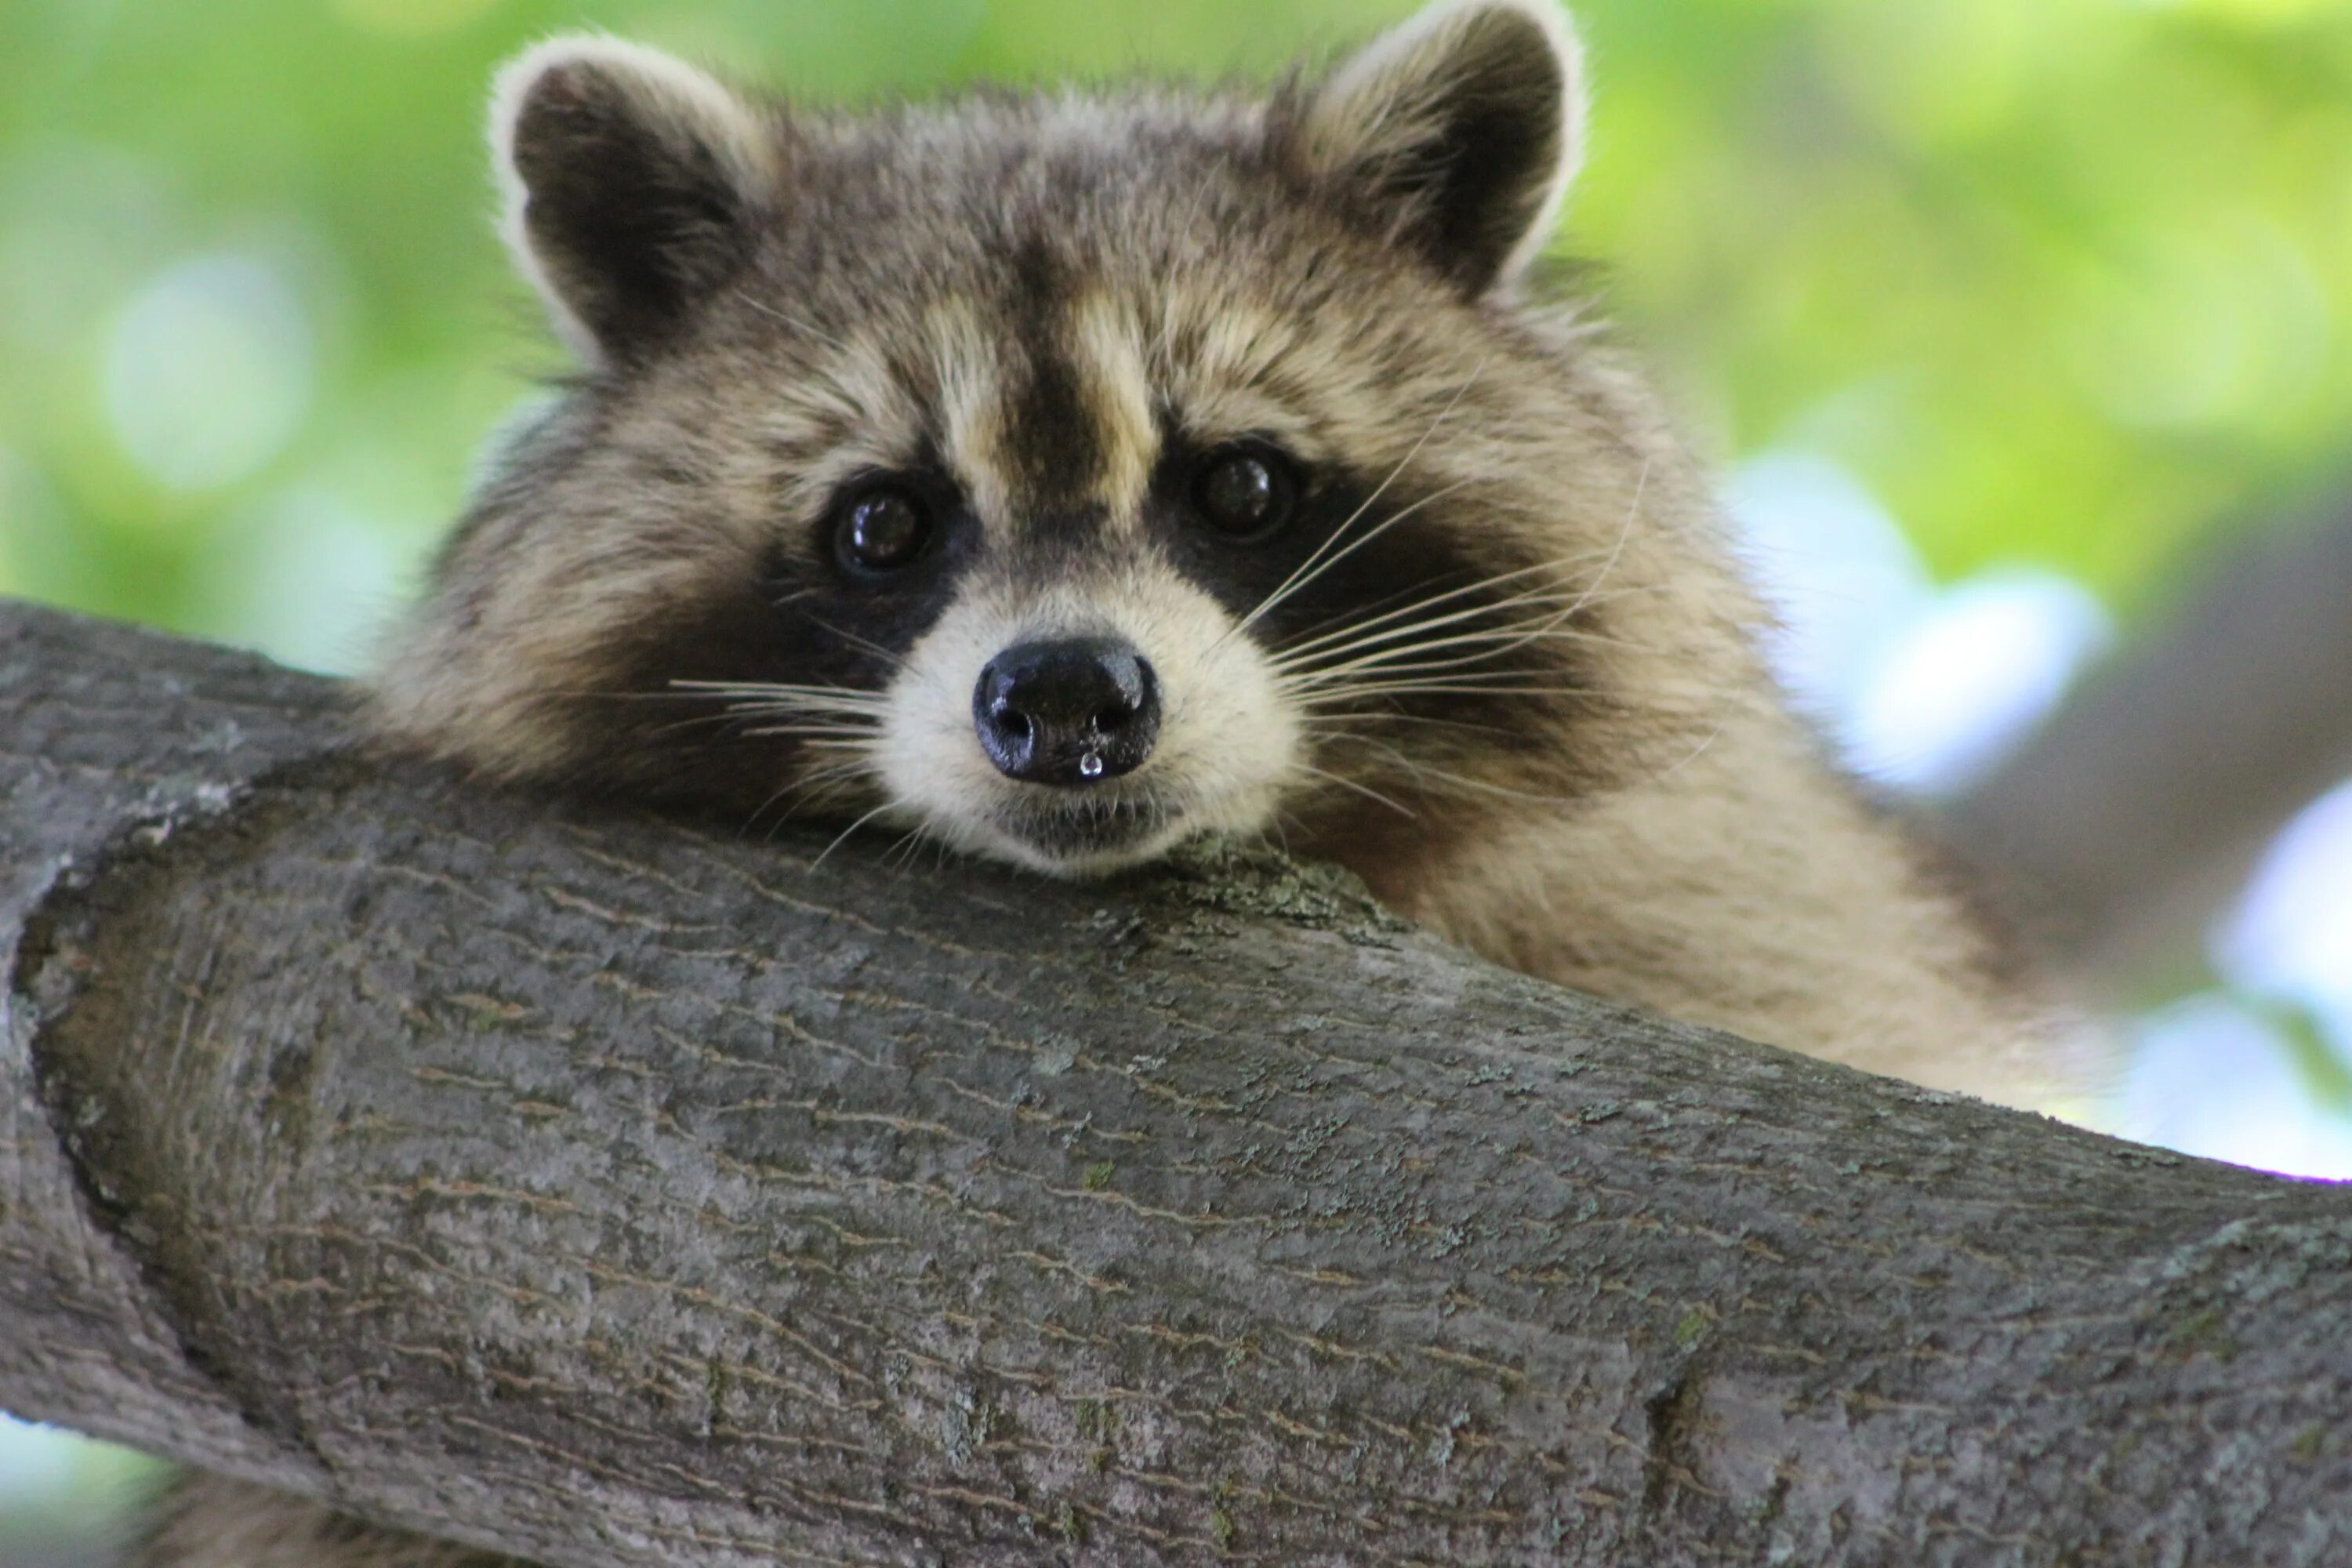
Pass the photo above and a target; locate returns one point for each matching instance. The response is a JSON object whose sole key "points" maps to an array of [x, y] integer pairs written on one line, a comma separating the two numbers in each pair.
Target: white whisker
{"points": [[845, 833], [1488, 645], [1408, 642], [1324, 721], [1444, 685], [779, 690], [795, 322], [1306, 571], [1560, 563], [1366, 790], [1297, 583], [831, 734], [810, 786], [1305, 655], [887, 655], [1422, 770]]}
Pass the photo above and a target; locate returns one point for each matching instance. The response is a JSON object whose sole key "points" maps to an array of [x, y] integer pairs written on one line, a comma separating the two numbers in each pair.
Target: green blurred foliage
{"points": [[2062, 280]]}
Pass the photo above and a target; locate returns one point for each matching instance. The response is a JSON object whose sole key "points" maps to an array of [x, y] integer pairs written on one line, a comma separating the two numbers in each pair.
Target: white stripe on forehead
{"points": [[1221, 367], [848, 413], [853, 410], [1106, 340], [1218, 361], [983, 378], [969, 387], [1327, 386]]}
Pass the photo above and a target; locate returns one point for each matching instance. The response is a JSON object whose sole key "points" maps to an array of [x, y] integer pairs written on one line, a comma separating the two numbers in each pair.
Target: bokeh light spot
{"points": [[208, 372], [1972, 677], [1833, 566], [2291, 935], [1923, 689], [33, 1460], [2208, 1077], [306, 578]]}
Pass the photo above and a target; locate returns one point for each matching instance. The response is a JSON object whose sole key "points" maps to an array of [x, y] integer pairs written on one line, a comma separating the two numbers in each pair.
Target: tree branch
{"points": [[615, 1192], [2143, 805]]}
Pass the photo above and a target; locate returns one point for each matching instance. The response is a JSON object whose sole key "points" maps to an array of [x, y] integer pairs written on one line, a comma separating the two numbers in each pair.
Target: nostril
{"points": [[1069, 711]]}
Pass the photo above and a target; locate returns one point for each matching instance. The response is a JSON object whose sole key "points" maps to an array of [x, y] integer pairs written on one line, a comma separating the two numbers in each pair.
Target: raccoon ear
{"points": [[1460, 130], [632, 183]]}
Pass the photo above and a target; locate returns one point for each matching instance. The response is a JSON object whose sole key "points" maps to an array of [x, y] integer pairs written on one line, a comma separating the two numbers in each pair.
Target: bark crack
{"points": [[1673, 1418], [63, 949]]}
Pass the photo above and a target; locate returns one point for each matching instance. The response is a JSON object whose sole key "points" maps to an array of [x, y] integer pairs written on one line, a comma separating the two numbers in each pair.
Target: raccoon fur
{"points": [[1055, 476]]}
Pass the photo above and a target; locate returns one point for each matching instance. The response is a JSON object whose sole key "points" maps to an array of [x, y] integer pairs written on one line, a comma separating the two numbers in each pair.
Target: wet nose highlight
{"points": [[1068, 711]]}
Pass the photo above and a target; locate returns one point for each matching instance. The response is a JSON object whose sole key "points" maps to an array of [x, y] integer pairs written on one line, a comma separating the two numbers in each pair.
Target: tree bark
{"points": [[614, 1191]]}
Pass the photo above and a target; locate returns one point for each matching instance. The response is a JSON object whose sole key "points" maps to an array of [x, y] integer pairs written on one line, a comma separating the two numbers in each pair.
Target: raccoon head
{"points": [[1056, 476]]}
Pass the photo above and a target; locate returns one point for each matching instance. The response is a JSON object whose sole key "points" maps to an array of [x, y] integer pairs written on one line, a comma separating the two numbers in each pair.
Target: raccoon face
{"points": [[1052, 476]]}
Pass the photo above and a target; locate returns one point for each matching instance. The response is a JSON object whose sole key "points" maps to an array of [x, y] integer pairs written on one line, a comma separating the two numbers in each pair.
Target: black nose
{"points": [[1075, 710]]}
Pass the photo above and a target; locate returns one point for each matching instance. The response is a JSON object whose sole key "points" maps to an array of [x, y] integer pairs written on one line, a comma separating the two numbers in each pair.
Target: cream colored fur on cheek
{"points": [[1229, 747]]}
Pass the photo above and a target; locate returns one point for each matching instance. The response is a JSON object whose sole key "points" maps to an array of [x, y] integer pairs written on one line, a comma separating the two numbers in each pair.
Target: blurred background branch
{"points": [[2148, 800]]}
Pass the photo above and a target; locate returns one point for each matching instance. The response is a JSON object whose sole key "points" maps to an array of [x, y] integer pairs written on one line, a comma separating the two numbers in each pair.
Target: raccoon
{"points": [[1058, 476]]}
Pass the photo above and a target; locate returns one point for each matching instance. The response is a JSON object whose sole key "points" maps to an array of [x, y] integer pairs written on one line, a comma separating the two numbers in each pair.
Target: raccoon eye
{"points": [[882, 530], [1246, 492]]}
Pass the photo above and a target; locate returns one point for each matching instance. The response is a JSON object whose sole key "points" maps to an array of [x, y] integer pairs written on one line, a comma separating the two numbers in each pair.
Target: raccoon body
{"points": [[1059, 476]]}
